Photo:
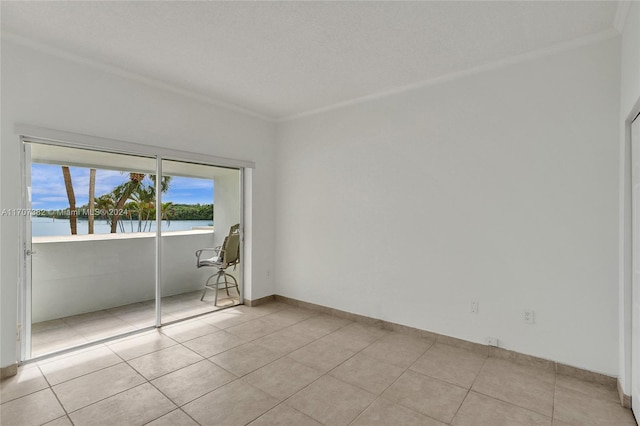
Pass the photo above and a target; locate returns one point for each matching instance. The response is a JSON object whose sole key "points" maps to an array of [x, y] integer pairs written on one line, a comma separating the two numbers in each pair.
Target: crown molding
{"points": [[149, 81], [621, 15], [525, 57]]}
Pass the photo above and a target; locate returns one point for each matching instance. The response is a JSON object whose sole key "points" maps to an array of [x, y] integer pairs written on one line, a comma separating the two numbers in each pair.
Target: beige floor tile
{"points": [[49, 341], [188, 330], [188, 311], [367, 373], [132, 307], [232, 316], [481, 410], [287, 317], [192, 382], [426, 395], [164, 361], [331, 401], [102, 328], [319, 326], [28, 380], [60, 421], [47, 325], [322, 355], [282, 378], [267, 308], [236, 403], [283, 415], [528, 387], [398, 349], [284, 341], [149, 404], [245, 358], [384, 413], [141, 344], [174, 418], [451, 364], [76, 364], [89, 316], [255, 329], [139, 317], [560, 423], [22, 411], [592, 389], [355, 336], [214, 343], [578, 408], [85, 390]]}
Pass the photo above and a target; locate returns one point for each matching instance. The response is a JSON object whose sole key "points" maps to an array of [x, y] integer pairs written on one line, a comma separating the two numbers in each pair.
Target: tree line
{"points": [[133, 200]]}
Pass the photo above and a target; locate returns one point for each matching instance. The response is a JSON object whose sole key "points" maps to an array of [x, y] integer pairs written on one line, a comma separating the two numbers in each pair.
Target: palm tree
{"points": [[143, 203], [66, 174], [133, 187], [166, 212], [122, 193]]}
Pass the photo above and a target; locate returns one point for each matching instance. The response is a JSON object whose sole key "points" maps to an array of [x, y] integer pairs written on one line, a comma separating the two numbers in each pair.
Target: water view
{"points": [[46, 226]]}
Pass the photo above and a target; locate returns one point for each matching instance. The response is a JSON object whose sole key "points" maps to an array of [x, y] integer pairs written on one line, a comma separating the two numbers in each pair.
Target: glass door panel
{"points": [[92, 251], [200, 204]]}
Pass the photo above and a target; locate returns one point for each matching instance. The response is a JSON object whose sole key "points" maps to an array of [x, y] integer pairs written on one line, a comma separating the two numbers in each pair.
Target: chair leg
{"points": [[226, 284], [215, 301], [235, 284], [206, 287]]}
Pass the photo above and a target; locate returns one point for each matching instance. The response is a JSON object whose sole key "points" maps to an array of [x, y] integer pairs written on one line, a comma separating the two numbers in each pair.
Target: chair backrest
{"points": [[231, 247]]}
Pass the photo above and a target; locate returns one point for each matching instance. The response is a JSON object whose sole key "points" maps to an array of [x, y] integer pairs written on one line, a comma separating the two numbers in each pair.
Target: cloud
{"points": [[49, 192]]}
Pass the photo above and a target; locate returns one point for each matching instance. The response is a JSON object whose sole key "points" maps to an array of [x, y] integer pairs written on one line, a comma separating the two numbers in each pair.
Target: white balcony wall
{"points": [[227, 194], [86, 273]]}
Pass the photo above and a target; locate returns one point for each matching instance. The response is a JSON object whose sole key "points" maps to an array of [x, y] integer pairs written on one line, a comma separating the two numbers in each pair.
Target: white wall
{"points": [[89, 273], [629, 106], [227, 205], [630, 60], [48, 91], [499, 187]]}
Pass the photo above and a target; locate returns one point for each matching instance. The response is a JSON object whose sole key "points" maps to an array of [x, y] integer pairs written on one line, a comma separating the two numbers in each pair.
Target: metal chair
{"points": [[224, 256]]}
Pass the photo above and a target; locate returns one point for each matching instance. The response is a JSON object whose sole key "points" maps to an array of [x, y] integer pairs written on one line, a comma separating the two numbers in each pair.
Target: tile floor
{"points": [[279, 365], [62, 333]]}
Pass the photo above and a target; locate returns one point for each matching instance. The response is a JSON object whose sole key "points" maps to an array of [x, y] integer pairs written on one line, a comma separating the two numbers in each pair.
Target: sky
{"points": [[48, 191]]}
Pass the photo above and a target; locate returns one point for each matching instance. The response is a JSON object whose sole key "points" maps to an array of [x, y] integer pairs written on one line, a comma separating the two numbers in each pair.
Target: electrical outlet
{"points": [[528, 317], [474, 307], [492, 341]]}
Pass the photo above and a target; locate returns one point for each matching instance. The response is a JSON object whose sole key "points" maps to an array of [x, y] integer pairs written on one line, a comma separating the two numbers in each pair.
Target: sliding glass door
{"points": [[92, 267], [113, 240], [200, 203]]}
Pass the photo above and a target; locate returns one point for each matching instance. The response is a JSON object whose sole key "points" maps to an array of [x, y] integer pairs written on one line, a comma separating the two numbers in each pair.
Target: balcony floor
{"points": [[58, 334]]}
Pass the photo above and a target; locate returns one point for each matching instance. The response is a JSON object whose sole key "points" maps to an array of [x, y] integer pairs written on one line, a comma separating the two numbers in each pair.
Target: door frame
{"points": [[33, 134], [625, 261], [635, 265]]}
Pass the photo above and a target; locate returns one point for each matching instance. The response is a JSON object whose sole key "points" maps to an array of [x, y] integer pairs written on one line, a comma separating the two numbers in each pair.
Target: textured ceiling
{"points": [[285, 58]]}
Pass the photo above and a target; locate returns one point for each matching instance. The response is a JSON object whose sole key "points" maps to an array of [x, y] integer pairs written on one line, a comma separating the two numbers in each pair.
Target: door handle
{"points": [[29, 253]]}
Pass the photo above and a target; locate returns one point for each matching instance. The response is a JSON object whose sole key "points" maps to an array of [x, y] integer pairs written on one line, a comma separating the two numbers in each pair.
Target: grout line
{"points": [[471, 387], [385, 389], [241, 377], [54, 394], [350, 322]]}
